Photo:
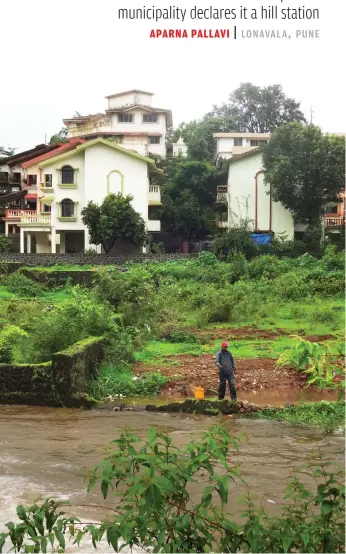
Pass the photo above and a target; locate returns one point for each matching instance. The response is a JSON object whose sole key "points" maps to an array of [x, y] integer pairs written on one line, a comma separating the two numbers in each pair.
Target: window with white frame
{"points": [[238, 142]]}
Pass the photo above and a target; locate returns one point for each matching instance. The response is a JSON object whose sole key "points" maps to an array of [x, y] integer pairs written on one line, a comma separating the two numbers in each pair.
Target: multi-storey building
{"points": [[67, 181], [227, 145], [130, 119]]}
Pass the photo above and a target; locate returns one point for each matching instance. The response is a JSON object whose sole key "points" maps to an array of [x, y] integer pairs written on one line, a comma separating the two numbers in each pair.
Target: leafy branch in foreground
{"points": [[155, 510]]}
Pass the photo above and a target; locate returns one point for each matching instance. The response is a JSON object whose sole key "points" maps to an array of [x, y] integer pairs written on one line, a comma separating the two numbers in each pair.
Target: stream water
{"points": [[48, 451]]}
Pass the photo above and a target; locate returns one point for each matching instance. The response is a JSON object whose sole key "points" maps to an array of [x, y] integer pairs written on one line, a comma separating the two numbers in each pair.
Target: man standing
{"points": [[226, 365]]}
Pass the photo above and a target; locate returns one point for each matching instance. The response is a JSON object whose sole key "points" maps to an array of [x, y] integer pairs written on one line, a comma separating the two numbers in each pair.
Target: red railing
{"points": [[17, 214]]}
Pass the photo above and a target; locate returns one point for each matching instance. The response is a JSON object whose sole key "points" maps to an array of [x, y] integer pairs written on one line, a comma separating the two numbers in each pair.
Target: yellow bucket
{"points": [[199, 393]]}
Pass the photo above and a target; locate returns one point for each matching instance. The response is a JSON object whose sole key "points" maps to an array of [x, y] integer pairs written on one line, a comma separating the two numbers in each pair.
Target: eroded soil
{"points": [[200, 371]]}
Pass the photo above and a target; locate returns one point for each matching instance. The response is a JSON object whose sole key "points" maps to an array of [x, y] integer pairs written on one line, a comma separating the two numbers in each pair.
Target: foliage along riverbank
{"points": [[163, 322]]}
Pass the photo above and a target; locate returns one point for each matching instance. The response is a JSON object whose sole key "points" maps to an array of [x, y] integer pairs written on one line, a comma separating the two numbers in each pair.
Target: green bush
{"points": [[63, 325], [17, 283], [266, 267], [235, 240], [290, 286], [181, 337], [5, 244], [333, 260], [113, 380]]}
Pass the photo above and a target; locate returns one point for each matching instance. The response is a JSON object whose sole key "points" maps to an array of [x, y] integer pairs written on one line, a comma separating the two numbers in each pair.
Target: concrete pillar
{"points": [[6, 228], [53, 240], [62, 242], [22, 245], [28, 243], [86, 240]]}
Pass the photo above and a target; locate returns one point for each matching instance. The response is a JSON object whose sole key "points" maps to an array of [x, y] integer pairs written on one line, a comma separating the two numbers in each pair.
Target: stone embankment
{"points": [[203, 407]]}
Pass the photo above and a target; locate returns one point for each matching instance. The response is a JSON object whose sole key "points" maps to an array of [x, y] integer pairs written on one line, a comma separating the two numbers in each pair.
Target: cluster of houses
{"points": [[43, 190]]}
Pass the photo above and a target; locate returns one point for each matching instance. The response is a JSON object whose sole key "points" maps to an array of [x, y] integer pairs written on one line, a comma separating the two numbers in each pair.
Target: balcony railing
{"points": [[35, 220], [335, 221], [18, 214], [154, 193]]}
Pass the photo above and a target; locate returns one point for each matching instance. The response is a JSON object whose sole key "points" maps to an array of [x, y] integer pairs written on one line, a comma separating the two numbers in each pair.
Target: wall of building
{"points": [[242, 202], [128, 99], [100, 160], [77, 195]]}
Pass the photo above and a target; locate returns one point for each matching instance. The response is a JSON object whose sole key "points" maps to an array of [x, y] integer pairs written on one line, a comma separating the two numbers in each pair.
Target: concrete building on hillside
{"points": [[68, 181], [22, 173], [130, 119], [246, 196], [228, 145]]}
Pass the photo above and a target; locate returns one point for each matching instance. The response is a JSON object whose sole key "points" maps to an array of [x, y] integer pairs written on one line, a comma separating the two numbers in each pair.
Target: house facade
{"points": [[68, 181], [130, 119], [23, 174], [247, 197], [227, 145]]}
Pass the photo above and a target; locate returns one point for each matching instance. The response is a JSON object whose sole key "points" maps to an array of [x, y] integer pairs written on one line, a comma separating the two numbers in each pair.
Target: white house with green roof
{"points": [[67, 182]]}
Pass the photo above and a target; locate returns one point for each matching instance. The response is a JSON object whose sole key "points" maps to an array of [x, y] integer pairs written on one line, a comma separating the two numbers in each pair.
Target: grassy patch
{"points": [[156, 351], [329, 415], [112, 381]]}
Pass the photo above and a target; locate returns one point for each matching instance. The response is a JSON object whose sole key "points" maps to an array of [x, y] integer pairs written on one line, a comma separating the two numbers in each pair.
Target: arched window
{"points": [[67, 175], [67, 208]]}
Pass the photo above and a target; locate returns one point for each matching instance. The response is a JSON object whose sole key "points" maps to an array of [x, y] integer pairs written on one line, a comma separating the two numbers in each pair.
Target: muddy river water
{"points": [[48, 451]]}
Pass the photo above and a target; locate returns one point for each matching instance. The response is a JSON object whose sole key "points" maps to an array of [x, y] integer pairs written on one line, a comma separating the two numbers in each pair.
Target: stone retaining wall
{"points": [[62, 382], [85, 259]]}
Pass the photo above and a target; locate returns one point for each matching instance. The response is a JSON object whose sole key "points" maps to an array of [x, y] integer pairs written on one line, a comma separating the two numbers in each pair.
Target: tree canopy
{"points": [[305, 168], [249, 109], [114, 219], [61, 136]]}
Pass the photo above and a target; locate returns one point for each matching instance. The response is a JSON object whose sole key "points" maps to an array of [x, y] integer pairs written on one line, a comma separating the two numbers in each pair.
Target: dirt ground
{"points": [[194, 371], [244, 333]]}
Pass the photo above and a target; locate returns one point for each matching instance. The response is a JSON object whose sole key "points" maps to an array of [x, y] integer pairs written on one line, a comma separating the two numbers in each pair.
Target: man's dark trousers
{"points": [[224, 378]]}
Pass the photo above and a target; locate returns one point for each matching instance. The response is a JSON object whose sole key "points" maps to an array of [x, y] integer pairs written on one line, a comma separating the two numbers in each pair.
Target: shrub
{"points": [[64, 325], [235, 240], [17, 283], [113, 380], [266, 267], [324, 315], [181, 337], [5, 244], [333, 260], [290, 286]]}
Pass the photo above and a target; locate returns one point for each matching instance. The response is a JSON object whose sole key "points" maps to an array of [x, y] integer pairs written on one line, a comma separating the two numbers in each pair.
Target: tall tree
{"points": [[259, 109], [306, 169], [61, 136], [197, 177], [184, 215], [114, 219]]}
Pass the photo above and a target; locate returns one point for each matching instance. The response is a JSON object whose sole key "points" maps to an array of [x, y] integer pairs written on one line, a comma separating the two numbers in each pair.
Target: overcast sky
{"points": [[62, 57]]}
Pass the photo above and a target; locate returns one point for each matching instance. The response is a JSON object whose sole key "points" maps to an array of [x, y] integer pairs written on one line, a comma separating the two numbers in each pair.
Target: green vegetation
{"points": [[114, 381], [156, 313], [154, 509], [328, 415]]}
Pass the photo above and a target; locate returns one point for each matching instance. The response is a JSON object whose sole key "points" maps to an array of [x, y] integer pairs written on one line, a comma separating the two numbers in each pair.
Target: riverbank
{"points": [[329, 416]]}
